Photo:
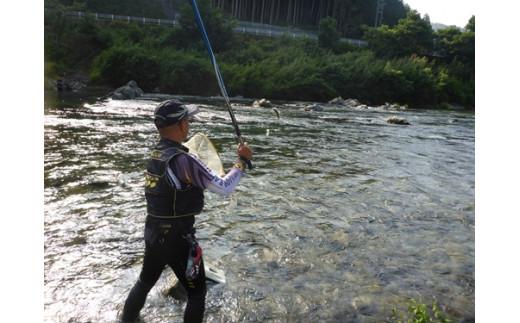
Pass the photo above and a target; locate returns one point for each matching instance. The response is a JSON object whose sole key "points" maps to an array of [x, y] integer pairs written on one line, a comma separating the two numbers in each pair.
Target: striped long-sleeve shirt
{"points": [[188, 169]]}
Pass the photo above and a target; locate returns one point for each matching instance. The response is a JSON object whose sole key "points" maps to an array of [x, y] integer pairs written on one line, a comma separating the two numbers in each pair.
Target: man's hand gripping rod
{"points": [[220, 80]]}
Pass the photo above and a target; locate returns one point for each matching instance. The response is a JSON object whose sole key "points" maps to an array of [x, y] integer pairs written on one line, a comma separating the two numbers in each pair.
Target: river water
{"points": [[344, 218]]}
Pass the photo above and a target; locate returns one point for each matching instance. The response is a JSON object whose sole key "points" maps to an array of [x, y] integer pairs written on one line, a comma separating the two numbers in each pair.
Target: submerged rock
{"points": [[397, 120], [364, 305], [216, 118], [127, 92], [99, 184]]}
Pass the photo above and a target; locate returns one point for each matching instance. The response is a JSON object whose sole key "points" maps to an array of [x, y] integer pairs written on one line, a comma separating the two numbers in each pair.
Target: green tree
{"points": [[412, 35], [454, 45], [218, 27], [470, 26], [444, 42], [328, 37], [186, 72], [121, 63], [72, 44]]}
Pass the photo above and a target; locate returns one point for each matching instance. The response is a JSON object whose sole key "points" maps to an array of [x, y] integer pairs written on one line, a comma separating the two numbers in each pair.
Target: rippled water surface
{"points": [[344, 218]]}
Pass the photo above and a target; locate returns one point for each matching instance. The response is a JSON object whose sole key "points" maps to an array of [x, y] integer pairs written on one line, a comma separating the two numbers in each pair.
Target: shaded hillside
{"points": [[350, 15]]}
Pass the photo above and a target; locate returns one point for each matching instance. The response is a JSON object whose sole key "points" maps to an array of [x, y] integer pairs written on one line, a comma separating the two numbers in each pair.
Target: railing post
{"points": [[112, 17], [144, 21], [96, 16], [159, 22], [128, 19]]}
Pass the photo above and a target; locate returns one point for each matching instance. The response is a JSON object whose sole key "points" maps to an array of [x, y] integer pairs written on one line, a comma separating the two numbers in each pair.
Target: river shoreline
{"points": [[102, 92]]}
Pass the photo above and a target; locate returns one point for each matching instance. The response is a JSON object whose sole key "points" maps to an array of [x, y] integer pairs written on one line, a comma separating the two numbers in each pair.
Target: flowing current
{"points": [[344, 218]]}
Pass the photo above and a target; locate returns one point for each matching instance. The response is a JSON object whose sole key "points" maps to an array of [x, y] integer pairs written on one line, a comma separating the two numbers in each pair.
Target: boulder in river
{"points": [[314, 107], [262, 103], [391, 106], [66, 85], [351, 103], [62, 86], [385, 106], [396, 106], [397, 120], [338, 101], [127, 92]]}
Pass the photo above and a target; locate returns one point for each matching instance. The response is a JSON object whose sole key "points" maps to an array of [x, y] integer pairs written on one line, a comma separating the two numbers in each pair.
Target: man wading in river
{"points": [[175, 181]]}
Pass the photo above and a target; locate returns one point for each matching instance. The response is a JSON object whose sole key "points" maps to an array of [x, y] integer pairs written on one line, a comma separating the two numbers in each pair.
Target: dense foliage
{"points": [[139, 8], [218, 27], [328, 36], [450, 53], [412, 35], [407, 63], [349, 15]]}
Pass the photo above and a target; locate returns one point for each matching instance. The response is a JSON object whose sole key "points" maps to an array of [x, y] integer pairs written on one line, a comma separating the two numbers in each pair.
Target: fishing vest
{"points": [[164, 199]]}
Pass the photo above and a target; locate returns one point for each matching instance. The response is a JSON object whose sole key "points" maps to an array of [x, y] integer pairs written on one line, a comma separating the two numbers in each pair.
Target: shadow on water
{"points": [[344, 218]]}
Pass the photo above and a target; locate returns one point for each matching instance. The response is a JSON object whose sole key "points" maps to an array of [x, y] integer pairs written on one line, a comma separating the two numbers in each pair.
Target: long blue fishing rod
{"points": [[220, 80]]}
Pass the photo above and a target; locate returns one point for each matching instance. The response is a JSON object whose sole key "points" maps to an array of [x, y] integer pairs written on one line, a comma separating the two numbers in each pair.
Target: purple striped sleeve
{"points": [[190, 170]]}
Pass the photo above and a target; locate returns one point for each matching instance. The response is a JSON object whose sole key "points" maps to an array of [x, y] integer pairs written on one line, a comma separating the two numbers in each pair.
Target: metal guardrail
{"points": [[243, 26], [110, 17]]}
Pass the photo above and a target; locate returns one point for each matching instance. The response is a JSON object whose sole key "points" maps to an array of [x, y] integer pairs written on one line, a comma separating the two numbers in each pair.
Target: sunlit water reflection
{"points": [[343, 219]]}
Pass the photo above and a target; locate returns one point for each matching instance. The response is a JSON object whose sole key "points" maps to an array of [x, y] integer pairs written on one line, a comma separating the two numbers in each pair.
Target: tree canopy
{"points": [[218, 26], [406, 63], [328, 37], [411, 35], [350, 15]]}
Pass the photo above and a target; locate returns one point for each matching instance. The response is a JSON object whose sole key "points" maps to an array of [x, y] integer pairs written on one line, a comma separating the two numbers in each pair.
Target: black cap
{"points": [[172, 111]]}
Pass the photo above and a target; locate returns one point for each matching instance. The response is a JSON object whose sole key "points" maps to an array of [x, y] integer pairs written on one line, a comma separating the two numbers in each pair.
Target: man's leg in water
{"points": [[150, 273], [196, 289]]}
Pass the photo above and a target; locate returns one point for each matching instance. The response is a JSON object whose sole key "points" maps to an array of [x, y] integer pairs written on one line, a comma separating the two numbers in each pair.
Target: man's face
{"points": [[185, 127]]}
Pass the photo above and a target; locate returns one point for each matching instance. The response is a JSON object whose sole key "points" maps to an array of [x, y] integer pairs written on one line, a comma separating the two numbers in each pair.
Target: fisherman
{"points": [[175, 182]]}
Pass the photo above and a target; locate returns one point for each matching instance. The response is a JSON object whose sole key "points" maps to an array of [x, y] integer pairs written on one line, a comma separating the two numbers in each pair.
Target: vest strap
{"points": [[171, 217]]}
